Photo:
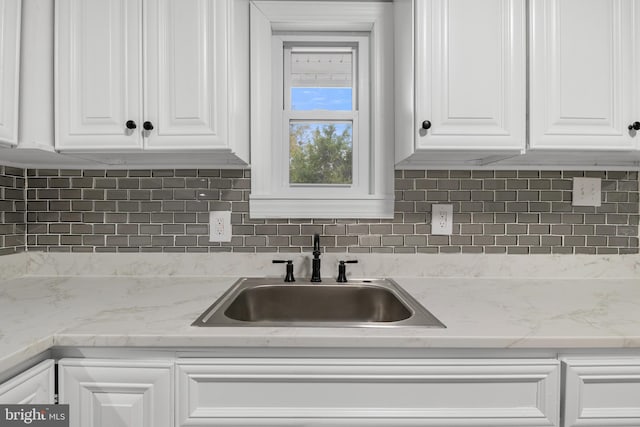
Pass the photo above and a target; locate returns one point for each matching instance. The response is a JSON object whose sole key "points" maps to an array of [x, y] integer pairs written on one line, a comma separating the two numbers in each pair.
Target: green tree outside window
{"points": [[320, 153]]}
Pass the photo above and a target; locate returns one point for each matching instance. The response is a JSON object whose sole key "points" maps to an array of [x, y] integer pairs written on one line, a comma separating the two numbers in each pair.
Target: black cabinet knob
{"points": [[130, 124], [147, 126], [634, 126], [426, 125]]}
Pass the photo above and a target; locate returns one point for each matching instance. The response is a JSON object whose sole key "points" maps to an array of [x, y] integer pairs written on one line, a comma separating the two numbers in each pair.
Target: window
{"points": [[324, 110], [320, 112], [316, 152]]}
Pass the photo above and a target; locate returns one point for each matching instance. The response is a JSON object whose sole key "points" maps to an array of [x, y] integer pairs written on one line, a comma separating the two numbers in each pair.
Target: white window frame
{"points": [[275, 24], [358, 116]]}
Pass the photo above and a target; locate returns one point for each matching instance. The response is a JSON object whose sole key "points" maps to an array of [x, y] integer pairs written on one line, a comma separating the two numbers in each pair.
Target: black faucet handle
{"points": [[342, 270], [289, 273]]}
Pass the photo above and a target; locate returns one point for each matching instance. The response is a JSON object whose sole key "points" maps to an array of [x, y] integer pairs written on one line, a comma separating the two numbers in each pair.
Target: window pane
{"points": [[321, 98], [320, 153], [321, 69], [322, 81]]}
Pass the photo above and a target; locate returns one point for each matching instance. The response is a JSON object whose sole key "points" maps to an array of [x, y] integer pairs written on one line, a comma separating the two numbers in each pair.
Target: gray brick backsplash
{"points": [[502, 212], [13, 226]]}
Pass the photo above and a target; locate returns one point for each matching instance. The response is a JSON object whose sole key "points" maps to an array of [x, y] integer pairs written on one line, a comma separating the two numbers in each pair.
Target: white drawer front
{"points": [[368, 392], [33, 386], [602, 392]]}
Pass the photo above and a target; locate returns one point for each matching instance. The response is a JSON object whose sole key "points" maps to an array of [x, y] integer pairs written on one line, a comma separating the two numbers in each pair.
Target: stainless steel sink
{"points": [[361, 303]]}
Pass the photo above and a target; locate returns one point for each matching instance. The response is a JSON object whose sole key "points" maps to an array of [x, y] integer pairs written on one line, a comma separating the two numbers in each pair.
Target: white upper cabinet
{"points": [[98, 73], [461, 75], [166, 75], [185, 73], [585, 74], [9, 70]]}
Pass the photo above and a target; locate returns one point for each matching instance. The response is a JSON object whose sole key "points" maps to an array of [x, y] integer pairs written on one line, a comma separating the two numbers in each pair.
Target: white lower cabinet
{"points": [[602, 392], [33, 386], [117, 393], [367, 392]]}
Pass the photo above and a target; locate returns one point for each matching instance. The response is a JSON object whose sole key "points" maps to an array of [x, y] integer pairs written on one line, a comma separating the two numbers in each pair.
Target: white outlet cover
{"points": [[220, 226], [442, 219], [586, 192]]}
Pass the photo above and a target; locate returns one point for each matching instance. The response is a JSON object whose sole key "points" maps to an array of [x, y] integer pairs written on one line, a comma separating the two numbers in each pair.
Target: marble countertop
{"points": [[39, 312]]}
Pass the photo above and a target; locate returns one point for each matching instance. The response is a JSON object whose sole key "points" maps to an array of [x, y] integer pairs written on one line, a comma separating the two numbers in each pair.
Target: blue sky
{"points": [[321, 98]]}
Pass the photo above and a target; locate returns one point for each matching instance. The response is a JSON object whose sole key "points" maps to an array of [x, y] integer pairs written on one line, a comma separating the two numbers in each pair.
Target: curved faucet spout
{"points": [[316, 243]]}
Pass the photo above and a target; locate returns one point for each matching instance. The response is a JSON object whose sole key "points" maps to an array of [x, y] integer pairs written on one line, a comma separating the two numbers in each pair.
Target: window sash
{"points": [[307, 116], [298, 48]]}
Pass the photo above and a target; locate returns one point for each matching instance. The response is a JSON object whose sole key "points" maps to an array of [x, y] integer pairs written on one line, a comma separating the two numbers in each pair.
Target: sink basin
{"points": [[270, 302], [311, 303]]}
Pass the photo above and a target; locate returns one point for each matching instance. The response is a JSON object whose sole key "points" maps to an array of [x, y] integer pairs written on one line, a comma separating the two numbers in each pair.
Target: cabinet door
{"points": [[185, 74], [34, 386], [602, 392], [367, 392], [98, 74], [9, 70], [585, 74], [116, 393], [470, 74]]}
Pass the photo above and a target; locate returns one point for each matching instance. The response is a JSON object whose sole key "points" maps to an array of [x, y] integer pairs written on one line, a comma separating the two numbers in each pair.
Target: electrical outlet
{"points": [[586, 192], [220, 226], [442, 219]]}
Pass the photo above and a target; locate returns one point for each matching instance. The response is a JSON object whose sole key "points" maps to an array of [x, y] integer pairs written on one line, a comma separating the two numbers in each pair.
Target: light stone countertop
{"points": [[488, 311]]}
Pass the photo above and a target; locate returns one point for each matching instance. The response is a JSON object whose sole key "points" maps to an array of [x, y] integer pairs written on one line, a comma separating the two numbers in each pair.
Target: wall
{"points": [[12, 210], [514, 212]]}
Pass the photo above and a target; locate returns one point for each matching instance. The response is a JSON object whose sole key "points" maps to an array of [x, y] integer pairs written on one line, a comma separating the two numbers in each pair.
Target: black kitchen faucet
{"points": [[315, 263]]}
